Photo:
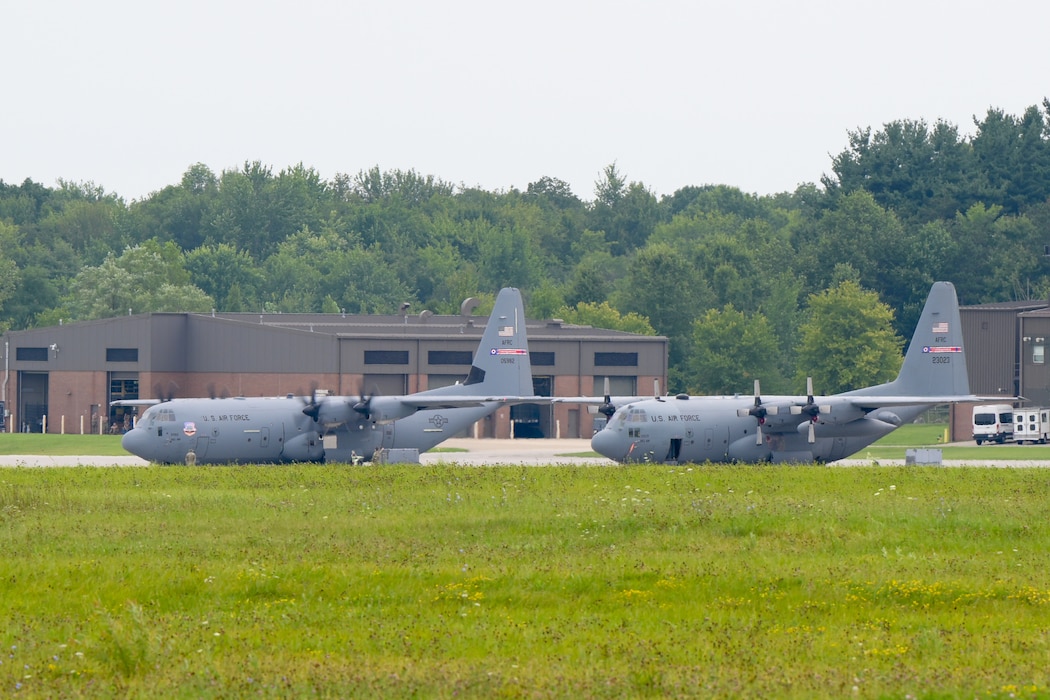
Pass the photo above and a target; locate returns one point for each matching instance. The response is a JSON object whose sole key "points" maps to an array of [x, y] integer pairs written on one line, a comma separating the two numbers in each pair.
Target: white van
{"points": [[993, 423], [1032, 425]]}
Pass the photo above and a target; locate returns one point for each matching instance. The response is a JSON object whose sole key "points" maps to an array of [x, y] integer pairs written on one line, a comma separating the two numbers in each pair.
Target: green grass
{"points": [[442, 581], [60, 445]]}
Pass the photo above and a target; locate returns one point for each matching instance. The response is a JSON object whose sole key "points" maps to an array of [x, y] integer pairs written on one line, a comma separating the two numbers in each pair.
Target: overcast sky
{"points": [[757, 94]]}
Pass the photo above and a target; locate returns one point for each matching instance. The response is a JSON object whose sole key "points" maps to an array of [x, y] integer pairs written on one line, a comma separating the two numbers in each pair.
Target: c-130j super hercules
{"points": [[297, 429], [795, 428]]}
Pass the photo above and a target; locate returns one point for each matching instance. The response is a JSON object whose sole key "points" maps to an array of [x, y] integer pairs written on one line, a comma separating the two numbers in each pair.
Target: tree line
{"points": [[826, 281]]}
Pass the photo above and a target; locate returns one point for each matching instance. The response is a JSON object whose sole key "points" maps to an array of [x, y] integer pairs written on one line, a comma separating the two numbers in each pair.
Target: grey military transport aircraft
{"points": [[796, 428], [336, 428]]}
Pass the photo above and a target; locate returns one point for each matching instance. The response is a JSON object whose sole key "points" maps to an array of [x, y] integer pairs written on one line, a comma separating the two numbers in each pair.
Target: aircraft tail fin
{"points": [[935, 363], [501, 364]]}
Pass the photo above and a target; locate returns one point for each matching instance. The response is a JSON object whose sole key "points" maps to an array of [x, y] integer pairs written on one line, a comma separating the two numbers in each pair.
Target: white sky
{"points": [[757, 94]]}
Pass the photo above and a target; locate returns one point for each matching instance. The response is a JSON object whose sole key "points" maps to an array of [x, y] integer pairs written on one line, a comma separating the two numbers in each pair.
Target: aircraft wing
{"points": [[874, 402], [617, 401], [421, 401], [135, 402]]}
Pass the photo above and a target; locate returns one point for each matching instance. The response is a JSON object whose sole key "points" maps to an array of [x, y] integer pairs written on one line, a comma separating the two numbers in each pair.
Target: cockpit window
{"points": [[636, 415], [160, 415]]}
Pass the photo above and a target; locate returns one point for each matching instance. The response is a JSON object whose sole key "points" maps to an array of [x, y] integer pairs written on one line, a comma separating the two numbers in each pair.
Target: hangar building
{"points": [[1005, 354], [63, 378]]}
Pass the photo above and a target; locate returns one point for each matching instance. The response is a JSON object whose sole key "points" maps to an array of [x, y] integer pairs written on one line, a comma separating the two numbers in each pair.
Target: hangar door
{"points": [[32, 401]]}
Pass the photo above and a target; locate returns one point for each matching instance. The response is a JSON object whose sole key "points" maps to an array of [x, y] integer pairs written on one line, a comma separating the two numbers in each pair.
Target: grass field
{"points": [[446, 581], [60, 445]]}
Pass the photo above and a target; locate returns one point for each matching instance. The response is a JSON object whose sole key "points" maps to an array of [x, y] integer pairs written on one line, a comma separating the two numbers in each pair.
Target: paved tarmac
{"points": [[493, 452], [478, 452]]}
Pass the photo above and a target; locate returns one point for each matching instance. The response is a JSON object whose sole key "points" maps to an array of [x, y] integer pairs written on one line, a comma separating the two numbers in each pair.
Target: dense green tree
{"points": [[730, 351], [147, 277], [406, 185], [593, 278], [723, 199], [178, 212], [9, 273], [847, 340], [918, 172], [605, 316], [886, 254], [310, 267], [1013, 158], [663, 286], [626, 213], [994, 255], [557, 193], [506, 258], [89, 228], [23, 204], [219, 270], [780, 307], [545, 302]]}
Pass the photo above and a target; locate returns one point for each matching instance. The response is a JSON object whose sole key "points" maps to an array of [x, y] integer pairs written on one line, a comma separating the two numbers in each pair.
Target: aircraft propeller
{"points": [[607, 409], [212, 394], [162, 396], [364, 403], [810, 409], [759, 412], [311, 405]]}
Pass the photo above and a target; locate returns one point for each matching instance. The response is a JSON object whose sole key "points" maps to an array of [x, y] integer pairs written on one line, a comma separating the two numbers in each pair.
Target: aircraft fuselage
{"points": [[709, 429], [275, 430]]}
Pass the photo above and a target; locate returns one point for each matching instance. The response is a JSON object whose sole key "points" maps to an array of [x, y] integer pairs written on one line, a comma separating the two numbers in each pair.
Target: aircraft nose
{"points": [[608, 444], [135, 441]]}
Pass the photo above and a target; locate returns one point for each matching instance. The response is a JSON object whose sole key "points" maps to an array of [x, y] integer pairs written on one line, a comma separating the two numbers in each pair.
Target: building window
{"points": [[31, 354], [542, 359], [122, 354], [615, 359], [1037, 354], [123, 389], [450, 357], [386, 357]]}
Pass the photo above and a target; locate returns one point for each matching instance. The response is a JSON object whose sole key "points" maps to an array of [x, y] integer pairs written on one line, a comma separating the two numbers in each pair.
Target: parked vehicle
{"points": [[993, 423], [1032, 425]]}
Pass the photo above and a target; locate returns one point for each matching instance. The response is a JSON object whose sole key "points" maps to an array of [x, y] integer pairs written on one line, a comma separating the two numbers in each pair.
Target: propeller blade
{"points": [[163, 396], [311, 406], [364, 402], [758, 411], [607, 409]]}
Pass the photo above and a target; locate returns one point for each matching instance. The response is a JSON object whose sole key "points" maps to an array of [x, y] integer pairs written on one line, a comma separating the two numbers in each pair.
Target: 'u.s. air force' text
{"points": [[692, 417]]}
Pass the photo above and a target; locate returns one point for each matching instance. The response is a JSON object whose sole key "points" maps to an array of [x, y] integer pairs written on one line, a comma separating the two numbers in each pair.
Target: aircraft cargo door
{"points": [[716, 442], [674, 451]]}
